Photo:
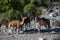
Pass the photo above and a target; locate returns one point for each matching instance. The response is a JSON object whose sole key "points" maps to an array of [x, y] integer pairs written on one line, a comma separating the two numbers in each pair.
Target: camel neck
{"points": [[22, 21]]}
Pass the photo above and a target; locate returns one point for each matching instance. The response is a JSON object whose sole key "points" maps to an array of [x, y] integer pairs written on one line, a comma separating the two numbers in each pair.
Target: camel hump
{"points": [[16, 21]]}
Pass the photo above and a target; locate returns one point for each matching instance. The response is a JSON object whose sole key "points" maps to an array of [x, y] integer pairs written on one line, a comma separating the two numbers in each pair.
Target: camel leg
{"points": [[7, 31], [8, 28], [17, 28], [48, 30], [38, 29], [17, 31]]}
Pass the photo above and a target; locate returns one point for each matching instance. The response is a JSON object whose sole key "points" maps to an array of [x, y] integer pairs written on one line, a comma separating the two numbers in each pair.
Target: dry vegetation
{"points": [[56, 23]]}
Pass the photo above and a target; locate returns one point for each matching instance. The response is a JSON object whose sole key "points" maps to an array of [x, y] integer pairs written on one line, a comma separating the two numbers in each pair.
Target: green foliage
{"points": [[12, 8], [28, 7], [31, 8], [43, 3]]}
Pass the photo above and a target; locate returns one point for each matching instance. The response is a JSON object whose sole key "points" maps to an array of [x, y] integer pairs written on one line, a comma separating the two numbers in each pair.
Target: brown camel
{"points": [[43, 21], [16, 23]]}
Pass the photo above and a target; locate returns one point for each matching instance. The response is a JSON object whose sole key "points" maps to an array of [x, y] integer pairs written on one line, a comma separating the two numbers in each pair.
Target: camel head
{"points": [[24, 17]]}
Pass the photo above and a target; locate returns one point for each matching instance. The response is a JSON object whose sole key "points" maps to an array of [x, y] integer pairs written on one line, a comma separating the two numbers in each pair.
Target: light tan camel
{"points": [[16, 23]]}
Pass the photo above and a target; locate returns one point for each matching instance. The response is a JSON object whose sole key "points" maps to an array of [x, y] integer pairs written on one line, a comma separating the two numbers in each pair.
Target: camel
{"points": [[16, 23], [40, 21], [43, 21]]}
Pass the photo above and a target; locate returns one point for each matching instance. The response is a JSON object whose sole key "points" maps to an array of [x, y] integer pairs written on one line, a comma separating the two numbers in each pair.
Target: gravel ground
{"points": [[28, 36]]}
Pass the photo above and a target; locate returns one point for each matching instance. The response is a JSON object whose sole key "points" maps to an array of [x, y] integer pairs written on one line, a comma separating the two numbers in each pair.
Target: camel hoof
{"points": [[21, 32]]}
